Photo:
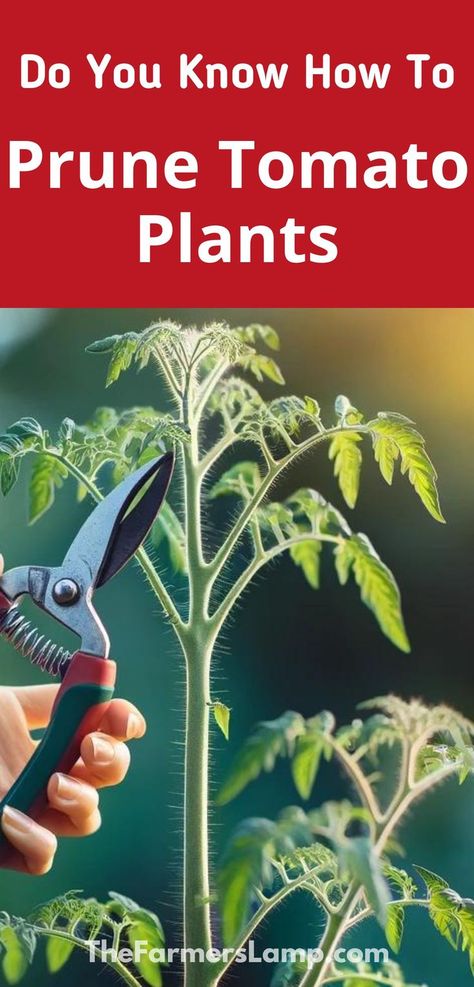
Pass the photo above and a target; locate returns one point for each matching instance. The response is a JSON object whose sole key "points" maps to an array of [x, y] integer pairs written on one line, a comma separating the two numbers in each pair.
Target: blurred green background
{"points": [[288, 647]]}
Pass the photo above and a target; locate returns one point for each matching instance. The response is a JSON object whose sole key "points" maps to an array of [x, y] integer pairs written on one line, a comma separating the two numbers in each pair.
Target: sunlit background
{"points": [[288, 647]]}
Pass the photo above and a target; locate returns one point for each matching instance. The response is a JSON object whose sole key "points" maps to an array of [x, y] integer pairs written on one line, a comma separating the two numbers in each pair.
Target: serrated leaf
{"points": [[442, 908], [433, 881], [47, 476], [386, 455], [347, 457], [255, 332], [306, 555], [9, 471], [395, 436], [262, 366], [26, 428], [378, 588], [269, 335], [359, 858], [309, 748], [221, 714], [272, 739], [58, 951], [399, 879], [394, 926], [122, 356]]}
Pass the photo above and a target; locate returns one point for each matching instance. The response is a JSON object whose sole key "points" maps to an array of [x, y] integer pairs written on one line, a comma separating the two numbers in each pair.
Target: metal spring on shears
{"points": [[30, 643]]}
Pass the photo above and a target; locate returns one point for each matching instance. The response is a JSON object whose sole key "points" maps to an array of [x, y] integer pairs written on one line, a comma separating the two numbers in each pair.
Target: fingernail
{"points": [[67, 789], [17, 820], [103, 750], [134, 726]]}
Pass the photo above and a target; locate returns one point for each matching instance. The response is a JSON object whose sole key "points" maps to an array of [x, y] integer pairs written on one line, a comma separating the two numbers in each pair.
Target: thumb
{"points": [[37, 703]]}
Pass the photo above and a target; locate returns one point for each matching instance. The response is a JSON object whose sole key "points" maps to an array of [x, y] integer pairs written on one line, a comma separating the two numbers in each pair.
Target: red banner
{"points": [[303, 155]]}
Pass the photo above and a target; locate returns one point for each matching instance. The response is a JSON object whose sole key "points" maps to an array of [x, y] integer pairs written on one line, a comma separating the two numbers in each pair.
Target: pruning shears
{"points": [[107, 540]]}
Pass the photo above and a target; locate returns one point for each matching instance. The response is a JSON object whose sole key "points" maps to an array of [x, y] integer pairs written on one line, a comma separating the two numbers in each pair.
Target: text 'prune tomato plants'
{"points": [[215, 411]]}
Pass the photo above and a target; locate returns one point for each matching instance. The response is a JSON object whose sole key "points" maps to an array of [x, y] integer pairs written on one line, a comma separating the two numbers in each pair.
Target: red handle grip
{"points": [[81, 704]]}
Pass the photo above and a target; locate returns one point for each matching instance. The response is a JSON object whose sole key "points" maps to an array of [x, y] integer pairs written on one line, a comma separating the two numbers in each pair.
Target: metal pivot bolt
{"points": [[66, 592]]}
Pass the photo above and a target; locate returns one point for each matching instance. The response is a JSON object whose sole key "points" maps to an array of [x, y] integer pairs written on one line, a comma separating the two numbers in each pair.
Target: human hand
{"points": [[72, 799]]}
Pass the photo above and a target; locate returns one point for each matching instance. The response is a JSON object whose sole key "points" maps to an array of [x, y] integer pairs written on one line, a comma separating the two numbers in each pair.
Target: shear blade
{"points": [[121, 522]]}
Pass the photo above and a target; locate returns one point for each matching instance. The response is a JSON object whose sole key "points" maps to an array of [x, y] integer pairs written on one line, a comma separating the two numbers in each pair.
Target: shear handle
{"points": [[81, 703]]}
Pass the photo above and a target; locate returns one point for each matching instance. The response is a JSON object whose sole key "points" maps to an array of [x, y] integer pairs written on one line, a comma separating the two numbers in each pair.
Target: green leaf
{"points": [[434, 882], [262, 366], [442, 907], [246, 865], [386, 455], [272, 739], [289, 413], [221, 714], [142, 931], [305, 763], [306, 555], [347, 457], [241, 480], [26, 428], [399, 879], [269, 335], [254, 332], [309, 748], [122, 357], [358, 857], [22, 436], [128, 904], [123, 348], [168, 526], [378, 588], [312, 406], [465, 916], [58, 952], [105, 345], [395, 436], [9, 472], [19, 943], [394, 926], [47, 475]]}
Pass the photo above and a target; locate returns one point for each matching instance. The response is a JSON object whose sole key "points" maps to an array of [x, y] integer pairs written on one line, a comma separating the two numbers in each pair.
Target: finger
{"points": [[104, 761], [2, 563], [73, 807], [37, 703], [123, 721], [36, 846]]}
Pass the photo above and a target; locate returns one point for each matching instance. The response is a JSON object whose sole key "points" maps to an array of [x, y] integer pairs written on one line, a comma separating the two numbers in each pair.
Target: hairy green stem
{"points": [[333, 933], [197, 643], [120, 968], [197, 923]]}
